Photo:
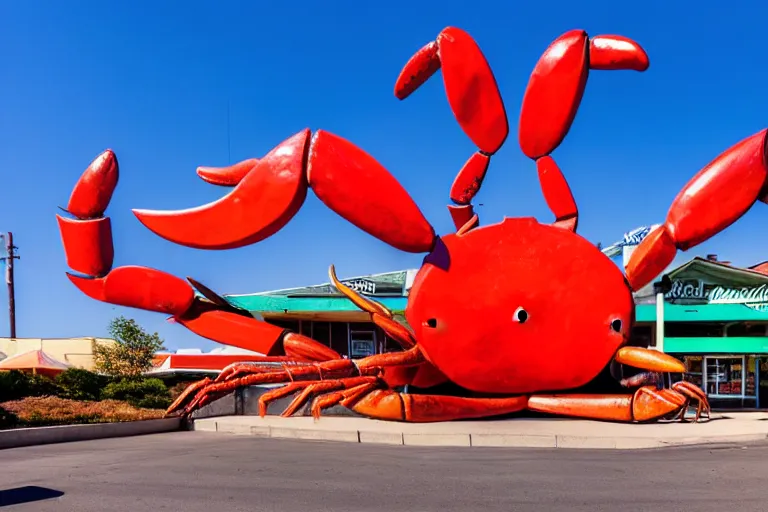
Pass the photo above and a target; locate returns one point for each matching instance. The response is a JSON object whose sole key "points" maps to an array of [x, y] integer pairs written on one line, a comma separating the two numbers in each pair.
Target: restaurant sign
{"points": [[754, 297], [390, 284], [360, 285]]}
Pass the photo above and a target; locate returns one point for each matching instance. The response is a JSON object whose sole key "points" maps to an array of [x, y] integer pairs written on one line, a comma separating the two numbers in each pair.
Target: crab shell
{"points": [[519, 307]]}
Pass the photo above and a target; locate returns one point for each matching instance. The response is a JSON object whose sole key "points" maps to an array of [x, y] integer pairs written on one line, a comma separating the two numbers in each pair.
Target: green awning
{"points": [[701, 313], [282, 304], [752, 345]]}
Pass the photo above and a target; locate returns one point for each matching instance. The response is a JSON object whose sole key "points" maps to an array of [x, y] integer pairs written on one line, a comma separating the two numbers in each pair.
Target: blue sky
{"points": [[152, 80]]}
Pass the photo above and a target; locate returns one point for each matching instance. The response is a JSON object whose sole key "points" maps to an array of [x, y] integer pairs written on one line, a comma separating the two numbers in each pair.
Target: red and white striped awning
{"points": [[205, 363]]}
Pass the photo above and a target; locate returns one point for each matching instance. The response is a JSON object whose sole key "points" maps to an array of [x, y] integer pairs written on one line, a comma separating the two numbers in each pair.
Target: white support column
{"points": [[660, 321]]}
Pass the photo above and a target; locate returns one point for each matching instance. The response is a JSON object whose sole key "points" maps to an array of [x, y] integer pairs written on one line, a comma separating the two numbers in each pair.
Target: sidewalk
{"points": [[524, 432]]}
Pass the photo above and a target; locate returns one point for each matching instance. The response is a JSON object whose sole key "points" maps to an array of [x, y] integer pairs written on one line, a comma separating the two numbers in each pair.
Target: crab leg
{"points": [[385, 404], [88, 246], [475, 101], [693, 393], [344, 177], [716, 197], [657, 362], [292, 373], [344, 398], [557, 194], [309, 389], [367, 398], [380, 315], [425, 374], [552, 99], [646, 404]]}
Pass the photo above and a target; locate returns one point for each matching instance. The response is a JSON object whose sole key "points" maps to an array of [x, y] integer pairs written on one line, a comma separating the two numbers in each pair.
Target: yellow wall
{"points": [[75, 351]]}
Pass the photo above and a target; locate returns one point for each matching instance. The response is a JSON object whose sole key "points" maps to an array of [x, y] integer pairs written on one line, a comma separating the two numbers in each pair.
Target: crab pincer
{"points": [[475, 100], [557, 83]]}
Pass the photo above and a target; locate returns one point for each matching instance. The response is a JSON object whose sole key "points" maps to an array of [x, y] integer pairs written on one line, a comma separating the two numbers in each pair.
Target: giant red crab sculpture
{"points": [[525, 344]]}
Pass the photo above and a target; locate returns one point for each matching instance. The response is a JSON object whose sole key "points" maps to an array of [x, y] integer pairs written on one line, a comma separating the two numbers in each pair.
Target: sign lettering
{"points": [[746, 295], [362, 286], [687, 290], [755, 297]]}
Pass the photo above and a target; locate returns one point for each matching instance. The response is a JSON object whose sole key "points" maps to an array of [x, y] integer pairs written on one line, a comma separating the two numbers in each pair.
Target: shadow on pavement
{"points": [[27, 494]]}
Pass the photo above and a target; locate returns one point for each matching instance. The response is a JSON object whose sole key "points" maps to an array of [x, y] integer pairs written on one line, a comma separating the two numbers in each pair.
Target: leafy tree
{"points": [[132, 353]]}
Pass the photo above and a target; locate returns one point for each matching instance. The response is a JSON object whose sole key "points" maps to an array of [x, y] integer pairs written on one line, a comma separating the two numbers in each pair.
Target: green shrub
{"points": [[15, 385], [40, 385], [137, 392], [79, 384], [7, 419], [153, 402]]}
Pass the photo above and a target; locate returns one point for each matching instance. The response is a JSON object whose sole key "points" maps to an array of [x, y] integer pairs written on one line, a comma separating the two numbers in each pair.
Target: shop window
{"points": [[362, 343], [763, 382], [693, 330], [746, 330], [695, 370], [641, 336], [321, 332], [340, 338], [725, 376], [391, 345], [293, 325], [362, 326], [751, 369]]}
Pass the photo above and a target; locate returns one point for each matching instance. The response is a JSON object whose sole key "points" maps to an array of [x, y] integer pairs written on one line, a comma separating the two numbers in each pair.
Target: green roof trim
{"points": [[701, 313], [753, 345], [283, 304]]}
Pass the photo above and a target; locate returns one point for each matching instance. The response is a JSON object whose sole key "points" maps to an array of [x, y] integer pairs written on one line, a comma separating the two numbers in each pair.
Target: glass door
{"points": [[725, 377], [361, 344]]}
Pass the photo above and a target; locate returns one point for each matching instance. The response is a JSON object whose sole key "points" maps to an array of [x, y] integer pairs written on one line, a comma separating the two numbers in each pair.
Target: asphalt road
{"points": [[195, 471]]}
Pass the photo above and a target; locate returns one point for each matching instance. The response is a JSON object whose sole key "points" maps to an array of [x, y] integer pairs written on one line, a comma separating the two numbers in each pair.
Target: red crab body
{"points": [[499, 310], [510, 312]]}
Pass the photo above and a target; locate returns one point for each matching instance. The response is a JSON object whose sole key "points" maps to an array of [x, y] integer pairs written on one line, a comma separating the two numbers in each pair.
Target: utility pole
{"points": [[10, 256]]}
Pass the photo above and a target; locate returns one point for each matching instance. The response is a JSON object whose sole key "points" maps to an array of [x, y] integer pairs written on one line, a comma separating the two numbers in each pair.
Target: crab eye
{"points": [[616, 325], [520, 315]]}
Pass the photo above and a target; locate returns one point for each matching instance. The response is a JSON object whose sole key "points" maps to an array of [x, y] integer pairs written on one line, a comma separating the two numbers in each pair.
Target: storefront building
{"points": [[715, 319], [325, 315]]}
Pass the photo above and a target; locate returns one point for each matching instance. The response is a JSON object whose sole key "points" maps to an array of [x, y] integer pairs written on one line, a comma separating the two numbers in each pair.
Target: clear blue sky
{"points": [[152, 80]]}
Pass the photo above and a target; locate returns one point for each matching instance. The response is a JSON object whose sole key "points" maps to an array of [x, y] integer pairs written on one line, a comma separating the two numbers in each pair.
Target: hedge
{"points": [[83, 385], [146, 393]]}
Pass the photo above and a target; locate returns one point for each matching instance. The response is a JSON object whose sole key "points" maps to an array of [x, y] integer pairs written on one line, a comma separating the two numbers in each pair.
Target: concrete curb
{"points": [[468, 439], [15, 438]]}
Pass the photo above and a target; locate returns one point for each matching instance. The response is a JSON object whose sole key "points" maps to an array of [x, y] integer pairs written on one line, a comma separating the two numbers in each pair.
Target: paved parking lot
{"points": [[196, 471]]}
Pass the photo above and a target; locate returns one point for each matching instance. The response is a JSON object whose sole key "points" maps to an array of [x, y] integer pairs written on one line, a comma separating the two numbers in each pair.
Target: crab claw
{"points": [[470, 86], [268, 196], [229, 328], [87, 244], [716, 197], [227, 176], [139, 287], [345, 178], [557, 83], [93, 191]]}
